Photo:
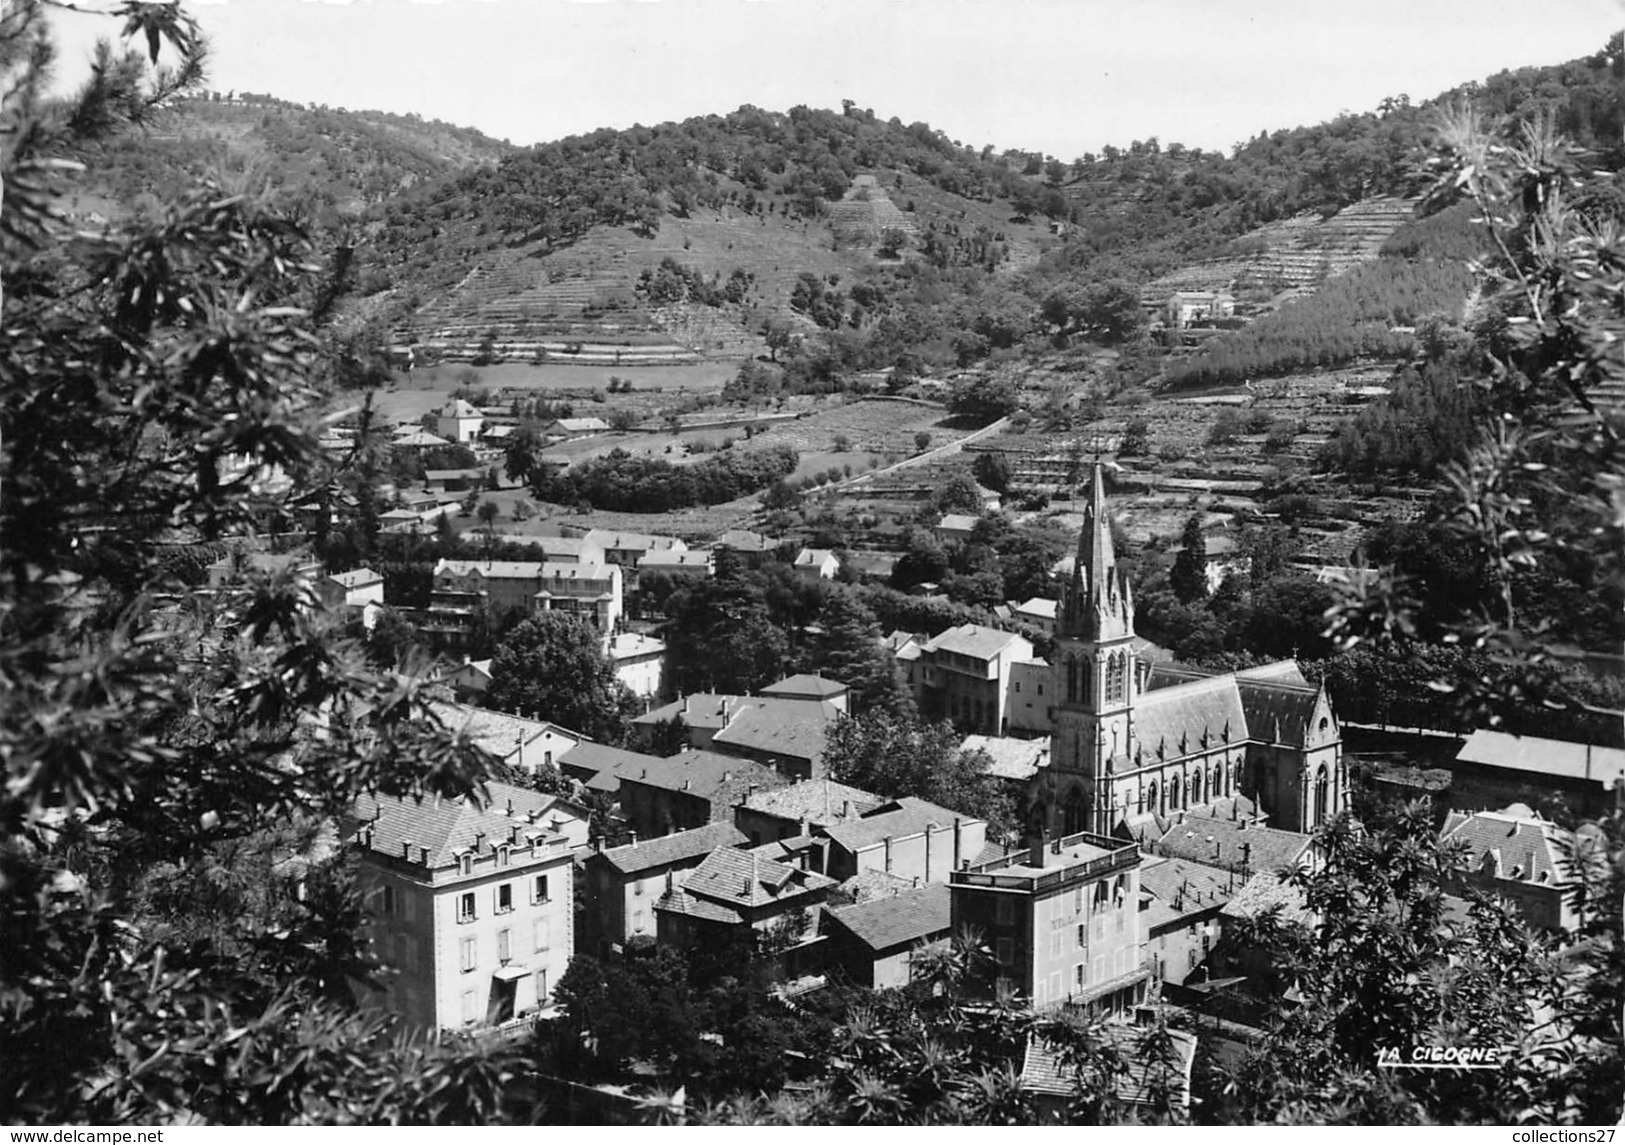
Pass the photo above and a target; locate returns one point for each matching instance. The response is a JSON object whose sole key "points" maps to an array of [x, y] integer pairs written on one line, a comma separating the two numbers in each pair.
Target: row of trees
{"points": [[623, 482]]}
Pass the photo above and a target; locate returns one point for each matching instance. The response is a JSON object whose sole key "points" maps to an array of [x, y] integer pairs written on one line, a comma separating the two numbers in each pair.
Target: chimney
{"points": [[929, 827], [633, 835], [958, 826], [846, 812], [1035, 853], [423, 856], [685, 785], [727, 775], [366, 839], [510, 808], [406, 849], [1246, 854], [1055, 847], [888, 854], [479, 841]]}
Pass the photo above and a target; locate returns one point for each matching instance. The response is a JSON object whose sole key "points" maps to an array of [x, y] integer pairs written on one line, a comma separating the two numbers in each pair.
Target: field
{"points": [[416, 393]]}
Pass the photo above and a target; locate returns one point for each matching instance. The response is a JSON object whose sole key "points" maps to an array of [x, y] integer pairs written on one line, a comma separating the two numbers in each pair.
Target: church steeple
{"points": [[1097, 603]]}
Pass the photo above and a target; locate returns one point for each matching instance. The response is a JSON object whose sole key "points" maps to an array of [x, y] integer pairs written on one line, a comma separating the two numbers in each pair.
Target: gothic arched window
{"points": [[1075, 814], [1151, 794], [1196, 787], [1173, 792], [1072, 679], [1115, 668], [1322, 790]]}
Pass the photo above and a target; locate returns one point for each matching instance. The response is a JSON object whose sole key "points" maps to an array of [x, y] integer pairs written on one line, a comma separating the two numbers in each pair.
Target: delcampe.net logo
{"points": [[1441, 1057]]}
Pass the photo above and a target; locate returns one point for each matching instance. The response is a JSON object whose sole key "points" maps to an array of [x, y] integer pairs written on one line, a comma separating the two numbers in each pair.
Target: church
{"points": [[1133, 740]]}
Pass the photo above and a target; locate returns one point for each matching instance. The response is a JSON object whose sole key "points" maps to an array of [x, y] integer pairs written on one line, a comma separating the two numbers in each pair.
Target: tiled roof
{"points": [[458, 408], [355, 578], [1276, 712], [629, 644], [491, 570], [1522, 846], [1280, 672], [746, 541], [1168, 716], [1544, 756], [1012, 758], [805, 684], [867, 885], [667, 850], [901, 818], [1263, 893], [724, 780], [1194, 887], [580, 424], [979, 642], [820, 801], [497, 732], [700, 710], [957, 522], [681, 902], [672, 559], [911, 916], [609, 539], [600, 767], [420, 438], [1219, 842], [1039, 606], [795, 733], [1043, 1071], [735, 878], [449, 826], [812, 558]]}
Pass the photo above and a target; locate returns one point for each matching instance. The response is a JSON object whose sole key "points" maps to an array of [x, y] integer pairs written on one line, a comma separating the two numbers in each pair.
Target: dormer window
{"points": [[503, 855], [465, 863]]}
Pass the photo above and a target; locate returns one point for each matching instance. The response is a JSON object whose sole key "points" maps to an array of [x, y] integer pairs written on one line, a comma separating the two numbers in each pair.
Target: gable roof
{"points": [[737, 879], [1039, 606], [957, 522], [1180, 888], [669, 850], [650, 542], [448, 827], [356, 578], [457, 408], [1167, 716], [1278, 712], [910, 916], [897, 819], [745, 541], [600, 767], [490, 570], [1265, 892], [499, 733], [679, 901], [815, 558], [579, 424]]}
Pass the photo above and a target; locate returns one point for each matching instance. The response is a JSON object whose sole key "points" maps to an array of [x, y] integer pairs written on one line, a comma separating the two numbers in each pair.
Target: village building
{"points": [[358, 594], [1145, 1082], [755, 548], [624, 883], [472, 907], [812, 688], [787, 735], [681, 563], [523, 743], [1130, 738], [874, 944], [1063, 918], [1496, 768], [906, 837], [627, 549], [788, 812], [1517, 856], [964, 674], [955, 528], [599, 767], [741, 895], [1184, 901], [464, 590], [1185, 307], [690, 789], [469, 680], [817, 564], [704, 714], [458, 421], [640, 664], [571, 427], [1037, 612]]}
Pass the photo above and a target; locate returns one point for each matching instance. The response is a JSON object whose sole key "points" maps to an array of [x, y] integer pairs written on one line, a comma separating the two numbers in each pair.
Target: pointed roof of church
{"points": [[1097, 602], [1096, 560]]}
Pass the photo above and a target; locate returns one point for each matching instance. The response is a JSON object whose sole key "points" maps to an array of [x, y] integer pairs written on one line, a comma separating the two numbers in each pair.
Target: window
{"points": [[637, 923], [547, 758], [504, 947], [1018, 687], [637, 887], [1083, 935], [538, 892], [465, 864], [1005, 912], [541, 987], [391, 905], [468, 1006], [504, 898], [544, 934], [1040, 689], [1078, 974], [1006, 952], [1055, 943], [469, 954], [465, 907]]}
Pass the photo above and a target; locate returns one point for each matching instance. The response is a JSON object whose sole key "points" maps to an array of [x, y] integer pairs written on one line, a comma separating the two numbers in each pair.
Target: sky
{"points": [[1062, 77]]}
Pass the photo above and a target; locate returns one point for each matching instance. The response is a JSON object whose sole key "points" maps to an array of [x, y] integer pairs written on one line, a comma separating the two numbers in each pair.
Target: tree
{"points": [[992, 469], [668, 737], [901, 755], [960, 495], [520, 454], [147, 753], [852, 653], [922, 441], [778, 334], [1188, 577], [721, 637], [1136, 441], [553, 667]]}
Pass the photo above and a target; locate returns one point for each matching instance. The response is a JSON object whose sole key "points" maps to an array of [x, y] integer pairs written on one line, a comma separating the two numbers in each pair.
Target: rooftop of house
{"points": [[579, 424], [490, 570], [457, 408], [1044, 1069], [446, 828], [866, 886], [609, 539], [1012, 758], [356, 578], [1038, 606], [432, 475], [627, 645], [724, 780], [674, 559], [499, 733], [1057, 854], [897, 819], [793, 729], [820, 801], [745, 541], [1232, 842], [1519, 844], [814, 558], [670, 850], [1552, 757], [420, 438], [741, 880], [1180, 888], [1265, 892], [716, 710], [980, 643], [805, 686], [909, 916], [600, 767], [957, 522]]}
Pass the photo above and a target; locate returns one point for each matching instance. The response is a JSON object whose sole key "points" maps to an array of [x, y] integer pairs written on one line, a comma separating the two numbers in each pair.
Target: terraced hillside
{"points": [[1289, 258]]}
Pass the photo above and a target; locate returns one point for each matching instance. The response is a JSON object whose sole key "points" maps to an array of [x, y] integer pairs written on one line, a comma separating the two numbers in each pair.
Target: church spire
{"points": [[1096, 561], [1097, 604]]}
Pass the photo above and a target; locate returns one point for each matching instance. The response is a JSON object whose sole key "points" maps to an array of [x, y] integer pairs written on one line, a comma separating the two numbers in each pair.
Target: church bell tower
{"points": [[1094, 681]]}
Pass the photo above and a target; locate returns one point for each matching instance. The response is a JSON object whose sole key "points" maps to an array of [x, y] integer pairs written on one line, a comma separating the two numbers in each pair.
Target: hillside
{"points": [[335, 161]]}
